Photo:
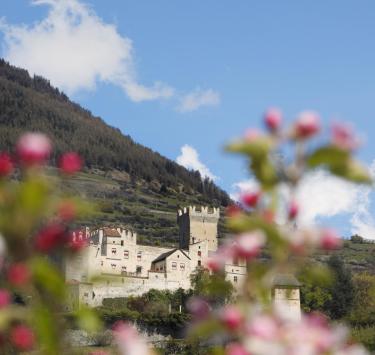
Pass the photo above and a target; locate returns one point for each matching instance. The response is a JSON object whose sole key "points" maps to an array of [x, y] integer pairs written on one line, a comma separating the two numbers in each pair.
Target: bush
{"points": [[366, 336]]}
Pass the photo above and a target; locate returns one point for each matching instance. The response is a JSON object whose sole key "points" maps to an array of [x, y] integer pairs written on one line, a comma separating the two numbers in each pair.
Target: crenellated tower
{"points": [[197, 224]]}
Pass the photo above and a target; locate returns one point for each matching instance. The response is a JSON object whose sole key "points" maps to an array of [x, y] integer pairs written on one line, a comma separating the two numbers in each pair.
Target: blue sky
{"points": [[219, 65]]}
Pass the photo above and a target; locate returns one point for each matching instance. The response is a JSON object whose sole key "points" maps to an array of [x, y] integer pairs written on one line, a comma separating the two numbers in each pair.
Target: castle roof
{"points": [[168, 253], [285, 280], [111, 232]]}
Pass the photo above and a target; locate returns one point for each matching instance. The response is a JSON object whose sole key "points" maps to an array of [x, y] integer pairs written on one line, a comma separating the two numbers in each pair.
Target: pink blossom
{"points": [[231, 317], [233, 210], [273, 119], [198, 307], [330, 240], [264, 327], [293, 210], [18, 274], [307, 125], [343, 136], [128, 340], [4, 298], [248, 245], [251, 199], [50, 237], [70, 163], [215, 263], [33, 148], [252, 135], [22, 337], [236, 349], [6, 164]]}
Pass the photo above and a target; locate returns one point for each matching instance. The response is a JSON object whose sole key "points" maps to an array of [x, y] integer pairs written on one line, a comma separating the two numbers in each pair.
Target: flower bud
{"points": [[4, 298], [22, 337], [293, 210], [231, 317], [330, 240], [33, 149], [273, 119], [70, 163], [343, 137], [50, 237], [236, 349], [307, 125], [248, 245], [18, 274], [251, 199], [6, 165]]}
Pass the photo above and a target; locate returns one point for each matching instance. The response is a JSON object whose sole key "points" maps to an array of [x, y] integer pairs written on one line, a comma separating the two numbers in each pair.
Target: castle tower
{"points": [[198, 224], [286, 296]]}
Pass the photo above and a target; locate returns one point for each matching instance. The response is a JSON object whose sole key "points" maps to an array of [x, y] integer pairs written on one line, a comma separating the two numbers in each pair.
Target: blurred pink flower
{"points": [[128, 340], [236, 349], [293, 210], [231, 317], [50, 237], [70, 163], [198, 307], [248, 245], [307, 125], [18, 274], [4, 298], [252, 134], [22, 337], [264, 327], [343, 136], [330, 239], [6, 164], [33, 148], [251, 199], [273, 119]]}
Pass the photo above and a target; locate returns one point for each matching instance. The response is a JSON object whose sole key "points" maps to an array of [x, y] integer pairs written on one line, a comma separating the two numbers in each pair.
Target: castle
{"points": [[122, 267], [114, 265]]}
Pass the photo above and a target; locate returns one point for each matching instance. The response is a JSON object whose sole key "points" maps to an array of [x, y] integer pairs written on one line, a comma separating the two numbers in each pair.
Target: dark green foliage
{"points": [[33, 104], [341, 289], [214, 287], [154, 308]]}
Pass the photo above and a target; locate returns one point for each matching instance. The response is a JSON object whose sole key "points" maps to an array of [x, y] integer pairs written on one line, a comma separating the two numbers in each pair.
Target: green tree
{"points": [[363, 311], [341, 289], [214, 287]]}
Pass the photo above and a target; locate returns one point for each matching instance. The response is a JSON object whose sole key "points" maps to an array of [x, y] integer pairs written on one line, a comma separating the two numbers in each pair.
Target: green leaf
{"points": [[329, 156], [48, 277], [46, 329], [256, 148], [88, 320]]}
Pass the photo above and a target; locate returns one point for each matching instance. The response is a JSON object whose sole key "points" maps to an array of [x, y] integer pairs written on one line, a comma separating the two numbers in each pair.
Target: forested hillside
{"points": [[131, 184], [28, 103]]}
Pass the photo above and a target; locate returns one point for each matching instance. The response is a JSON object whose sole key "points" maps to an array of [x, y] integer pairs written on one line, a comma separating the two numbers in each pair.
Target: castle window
{"points": [[122, 242], [113, 266], [174, 265], [199, 253], [139, 255], [113, 251], [126, 254], [199, 263], [235, 279], [182, 266]]}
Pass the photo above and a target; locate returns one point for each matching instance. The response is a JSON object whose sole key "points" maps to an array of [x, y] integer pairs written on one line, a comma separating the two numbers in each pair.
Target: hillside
{"points": [[132, 184]]}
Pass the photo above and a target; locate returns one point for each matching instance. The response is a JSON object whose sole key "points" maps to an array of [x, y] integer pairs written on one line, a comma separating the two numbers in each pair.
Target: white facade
{"points": [[121, 267]]}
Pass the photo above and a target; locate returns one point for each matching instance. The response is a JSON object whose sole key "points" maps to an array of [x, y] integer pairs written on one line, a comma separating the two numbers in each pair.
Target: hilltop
{"points": [[132, 184]]}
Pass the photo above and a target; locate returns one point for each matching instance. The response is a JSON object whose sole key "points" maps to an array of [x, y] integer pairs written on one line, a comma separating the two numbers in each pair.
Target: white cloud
{"points": [[189, 158], [198, 98], [322, 195], [75, 49]]}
